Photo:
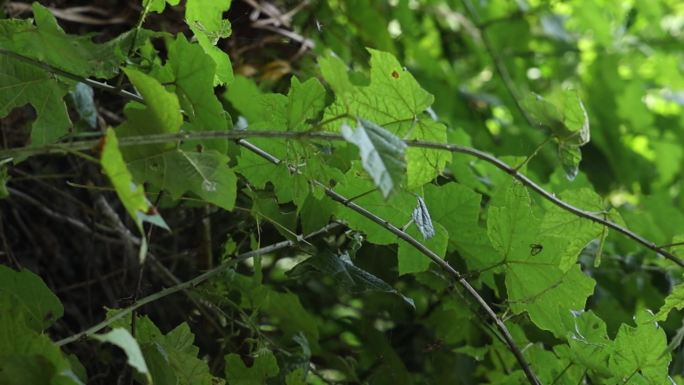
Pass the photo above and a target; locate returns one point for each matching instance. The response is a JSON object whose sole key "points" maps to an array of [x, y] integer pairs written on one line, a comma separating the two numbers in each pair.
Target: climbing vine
{"points": [[424, 192]]}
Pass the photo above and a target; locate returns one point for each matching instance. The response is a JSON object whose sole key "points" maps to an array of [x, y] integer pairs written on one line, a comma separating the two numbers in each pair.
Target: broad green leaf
{"points": [[382, 154], [305, 102], [28, 356], [457, 208], [423, 164], [396, 209], [577, 232], [131, 195], [158, 5], [123, 339], [588, 341], [285, 308], [413, 261], [563, 113], [171, 358], [547, 293], [30, 297], [394, 100], [422, 220], [392, 95], [22, 83], [570, 157], [243, 94], [552, 368], [532, 259], [675, 300], [160, 115], [296, 377], [640, 352], [268, 111], [47, 42], [205, 174], [193, 72], [205, 19], [264, 367], [344, 273]]}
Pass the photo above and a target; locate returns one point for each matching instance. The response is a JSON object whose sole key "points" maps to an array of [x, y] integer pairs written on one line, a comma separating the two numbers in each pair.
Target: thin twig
{"points": [[190, 284], [69, 75], [456, 275], [455, 148]]}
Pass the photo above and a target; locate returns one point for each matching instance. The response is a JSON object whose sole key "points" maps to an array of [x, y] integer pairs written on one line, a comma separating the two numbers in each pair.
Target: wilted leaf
{"points": [[421, 217]]}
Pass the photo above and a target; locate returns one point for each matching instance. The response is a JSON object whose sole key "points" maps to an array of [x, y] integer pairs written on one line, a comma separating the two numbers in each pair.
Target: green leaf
{"points": [[305, 102], [193, 72], [393, 93], [47, 42], [395, 101], [570, 157], [171, 358], [547, 293], [344, 273], [413, 261], [205, 174], [158, 5], [205, 19], [640, 352], [563, 113], [575, 231], [123, 339], [131, 195], [264, 367], [28, 356], [382, 154], [21, 84], [675, 300], [588, 341], [160, 115], [31, 297], [395, 210], [457, 208], [532, 259]]}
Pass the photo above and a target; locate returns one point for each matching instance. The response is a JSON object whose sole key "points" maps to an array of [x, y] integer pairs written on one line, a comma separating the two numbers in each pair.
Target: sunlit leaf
{"points": [[205, 19], [131, 195]]}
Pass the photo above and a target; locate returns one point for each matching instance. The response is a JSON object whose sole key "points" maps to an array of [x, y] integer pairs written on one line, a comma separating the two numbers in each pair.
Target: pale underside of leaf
{"points": [[382, 154]]}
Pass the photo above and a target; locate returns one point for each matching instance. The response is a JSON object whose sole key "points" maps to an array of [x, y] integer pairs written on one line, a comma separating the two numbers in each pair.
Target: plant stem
{"points": [[313, 135], [189, 284]]}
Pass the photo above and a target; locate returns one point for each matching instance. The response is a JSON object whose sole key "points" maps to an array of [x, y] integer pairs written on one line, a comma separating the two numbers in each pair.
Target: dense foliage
{"points": [[348, 191]]}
